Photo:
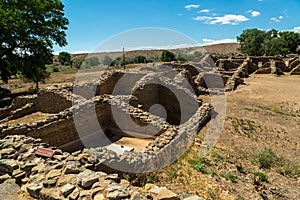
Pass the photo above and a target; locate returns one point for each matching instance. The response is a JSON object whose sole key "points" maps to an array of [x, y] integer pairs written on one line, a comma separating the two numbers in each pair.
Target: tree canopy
{"points": [[256, 42], [167, 56], [28, 31], [64, 58]]}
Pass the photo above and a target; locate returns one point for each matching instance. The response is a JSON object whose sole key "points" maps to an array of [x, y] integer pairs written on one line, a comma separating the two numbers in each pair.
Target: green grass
{"points": [[199, 163], [211, 173], [229, 176], [198, 166], [212, 194], [262, 176], [268, 159], [251, 109], [288, 169], [239, 197], [241, 169], [277, 111], [151, 179]]}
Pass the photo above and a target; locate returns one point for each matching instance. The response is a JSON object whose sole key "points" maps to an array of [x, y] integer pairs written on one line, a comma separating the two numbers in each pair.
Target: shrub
{"points": [[181, 58], [139, 59], [167, 56], [267, 158], [77, 62], [107, 60], [64, 58], [55, 69]]}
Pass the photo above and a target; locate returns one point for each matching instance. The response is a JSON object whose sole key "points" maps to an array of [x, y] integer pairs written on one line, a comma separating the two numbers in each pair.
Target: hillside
{"points": [[226, 48]]}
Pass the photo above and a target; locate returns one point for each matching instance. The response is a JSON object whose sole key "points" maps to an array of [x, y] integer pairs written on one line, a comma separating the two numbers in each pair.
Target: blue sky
{"points": [[206, 21]]}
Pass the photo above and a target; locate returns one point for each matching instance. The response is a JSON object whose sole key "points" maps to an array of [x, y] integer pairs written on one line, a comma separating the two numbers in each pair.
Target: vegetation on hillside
{"points": [[255, 42]]}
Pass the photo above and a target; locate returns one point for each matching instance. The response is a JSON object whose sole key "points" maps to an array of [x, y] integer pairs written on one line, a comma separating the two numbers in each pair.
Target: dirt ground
{"points": [[262, 113]]}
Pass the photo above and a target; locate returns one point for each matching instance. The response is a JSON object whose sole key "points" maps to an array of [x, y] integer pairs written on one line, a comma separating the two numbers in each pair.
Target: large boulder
{"points": [[9, 190]]}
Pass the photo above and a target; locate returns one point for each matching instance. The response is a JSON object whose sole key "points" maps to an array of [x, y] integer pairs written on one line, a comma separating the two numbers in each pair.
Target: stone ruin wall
{"points": [[55, 100], [59, 129]]}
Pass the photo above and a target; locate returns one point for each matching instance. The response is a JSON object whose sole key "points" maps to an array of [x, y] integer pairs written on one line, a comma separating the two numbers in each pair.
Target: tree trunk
{"points": [[37, 86]]}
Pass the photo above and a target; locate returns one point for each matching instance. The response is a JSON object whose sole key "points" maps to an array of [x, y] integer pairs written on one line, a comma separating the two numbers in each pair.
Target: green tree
{"points": [[256, 42], [107, 60], [28, 31], [64, 58], [251, 41], [77, 62], [167, 56], [139, 59]]}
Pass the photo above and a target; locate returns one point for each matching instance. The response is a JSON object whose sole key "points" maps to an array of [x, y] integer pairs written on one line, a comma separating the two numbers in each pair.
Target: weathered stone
{"points": [[156, 190], [116, 193], [72, 167], [34, 189], [25, 180], [87, 178], [74, 195], [9, 190], [195, 197], [50, 183], [99, 197], [53, 173], [59, 157], [96, 190], [124, 183], [37, 178], [7, 166], [18, 174], [28, 166], [7, 151], [114, 177], [4, 178], [67, 178], [49, 194], [138, 196], [40, 168], [58, 166], [67, 189], [85, 194], [166, 194]]}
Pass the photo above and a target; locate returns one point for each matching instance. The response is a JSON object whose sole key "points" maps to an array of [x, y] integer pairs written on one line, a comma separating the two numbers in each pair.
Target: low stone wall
{"points": [[228, 64], [72, 176], [16, 104], [53, 100]]}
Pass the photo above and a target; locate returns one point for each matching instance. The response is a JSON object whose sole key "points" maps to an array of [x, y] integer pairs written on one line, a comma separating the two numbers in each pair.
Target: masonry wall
{"points": [[52, 102]]}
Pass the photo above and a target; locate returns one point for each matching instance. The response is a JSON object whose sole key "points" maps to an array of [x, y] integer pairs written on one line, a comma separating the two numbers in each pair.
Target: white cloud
{"points": [[204, 11], [180, 14], [192, 6], [255, 13], [276, 19], [210, 41], [260, 0], [296, 29], [226, 19]]}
